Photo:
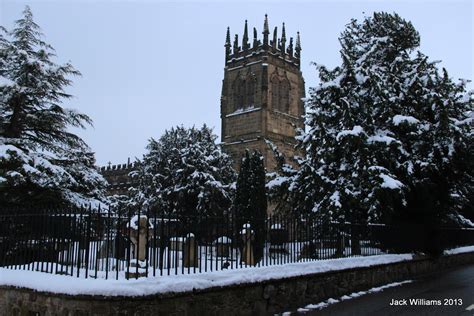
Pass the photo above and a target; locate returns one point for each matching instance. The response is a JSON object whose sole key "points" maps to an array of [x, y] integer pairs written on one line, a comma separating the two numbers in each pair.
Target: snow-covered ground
{"points": [[76, 261], [455, 251], [183, 282]]}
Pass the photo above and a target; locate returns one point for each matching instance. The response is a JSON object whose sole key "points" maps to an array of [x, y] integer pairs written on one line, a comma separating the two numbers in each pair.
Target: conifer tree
{"points": [[41, 160], [250, 203], [389, 134], [184, 174], [279, 181]]}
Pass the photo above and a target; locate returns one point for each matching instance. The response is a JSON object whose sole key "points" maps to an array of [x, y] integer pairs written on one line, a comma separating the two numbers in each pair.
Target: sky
{"points": [[150, 65]]}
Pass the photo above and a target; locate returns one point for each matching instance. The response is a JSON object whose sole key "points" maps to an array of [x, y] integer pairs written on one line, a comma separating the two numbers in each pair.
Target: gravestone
{"points": [[248, 238], [190, 251], [139, 230], [223, 245], [278, 239]]}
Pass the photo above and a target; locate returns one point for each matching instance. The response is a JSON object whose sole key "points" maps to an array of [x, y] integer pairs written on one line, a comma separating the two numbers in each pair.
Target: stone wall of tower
{"points": [[275, 110]]}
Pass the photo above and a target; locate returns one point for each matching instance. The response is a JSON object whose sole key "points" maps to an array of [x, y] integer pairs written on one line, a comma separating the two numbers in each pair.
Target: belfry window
{"points": [[239, 91], [275, 95], [280, 94], [250, 92], [284, 96], [244, 93]]}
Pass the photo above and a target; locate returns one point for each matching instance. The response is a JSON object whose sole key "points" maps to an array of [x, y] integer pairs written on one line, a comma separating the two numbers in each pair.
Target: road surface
{"points": [[453, 289]]}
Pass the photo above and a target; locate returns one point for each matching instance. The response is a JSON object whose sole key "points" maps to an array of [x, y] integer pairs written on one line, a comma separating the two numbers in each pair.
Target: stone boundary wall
{"points": [[264, 298]]}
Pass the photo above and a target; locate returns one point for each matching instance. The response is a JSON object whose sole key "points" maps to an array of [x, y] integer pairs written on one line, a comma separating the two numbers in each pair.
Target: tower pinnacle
{"points": [[245, 38], [298, 46], [227, 44], [265, 31], [275, 36], [290, 48], [236, 44], [255, 40], [283, 39]]}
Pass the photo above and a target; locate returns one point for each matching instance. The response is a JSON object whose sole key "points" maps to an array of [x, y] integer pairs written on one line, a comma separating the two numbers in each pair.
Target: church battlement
{"points": [[276, 47], [119, 167], [118, 177]]}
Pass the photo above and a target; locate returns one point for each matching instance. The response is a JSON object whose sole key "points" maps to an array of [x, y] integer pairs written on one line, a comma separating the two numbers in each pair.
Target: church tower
{"points": [[261, 94]]}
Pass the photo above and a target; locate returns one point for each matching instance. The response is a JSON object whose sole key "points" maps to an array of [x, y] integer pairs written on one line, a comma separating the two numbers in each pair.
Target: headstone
{"points": [[190, 251], [248, 237], [308, 251], [339, 245], [139, 230], [176, 243], [114, 248], [278, 239], [223, 245]]}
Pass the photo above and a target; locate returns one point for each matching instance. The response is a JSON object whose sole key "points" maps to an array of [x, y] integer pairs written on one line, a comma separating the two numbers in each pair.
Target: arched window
{"points": [[284, 96], [275, 82], [244, 91], [250, 92], [238, 95]]}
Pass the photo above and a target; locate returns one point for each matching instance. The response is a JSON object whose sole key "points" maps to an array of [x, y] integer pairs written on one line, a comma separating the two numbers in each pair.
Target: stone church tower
{"points": [[261, 95]]}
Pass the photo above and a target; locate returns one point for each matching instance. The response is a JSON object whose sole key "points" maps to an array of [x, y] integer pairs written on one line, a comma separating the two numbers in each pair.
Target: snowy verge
{"points": [[182, 283], [455, 251]]}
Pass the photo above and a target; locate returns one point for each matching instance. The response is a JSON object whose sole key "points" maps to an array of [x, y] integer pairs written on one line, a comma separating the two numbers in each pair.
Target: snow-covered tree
{"points": [[279, 182], [184, 174], [250, 204], [41, 160], [389, 134]]}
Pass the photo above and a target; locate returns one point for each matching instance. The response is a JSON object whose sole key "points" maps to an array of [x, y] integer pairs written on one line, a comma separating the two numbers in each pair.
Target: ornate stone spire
{"points": [[236, 44], [227, 44], [298, 46], [275, 36], [245, 38], [290, 48], [283, 39], [255, 40], [265, 31]]}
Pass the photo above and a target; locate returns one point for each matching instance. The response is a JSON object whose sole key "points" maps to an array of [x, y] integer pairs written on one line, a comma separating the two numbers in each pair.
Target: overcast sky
{"points": [[147, 66]]}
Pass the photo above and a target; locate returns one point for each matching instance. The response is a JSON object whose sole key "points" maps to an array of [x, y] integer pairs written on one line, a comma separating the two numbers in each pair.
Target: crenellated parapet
{"points": [[278, 46], [118, 177], [119, 167]]}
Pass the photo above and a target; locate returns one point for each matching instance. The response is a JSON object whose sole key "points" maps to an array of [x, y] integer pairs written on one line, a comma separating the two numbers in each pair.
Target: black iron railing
{"points": [[93, 243]]}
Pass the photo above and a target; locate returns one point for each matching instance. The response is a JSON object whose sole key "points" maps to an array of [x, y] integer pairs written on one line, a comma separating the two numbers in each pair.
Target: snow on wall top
{"points": [[183, 283]]}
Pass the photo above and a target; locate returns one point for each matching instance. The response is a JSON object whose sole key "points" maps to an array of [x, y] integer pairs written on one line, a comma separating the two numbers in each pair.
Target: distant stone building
{"points": [[261, 100], [118, 178], [262, 95]]}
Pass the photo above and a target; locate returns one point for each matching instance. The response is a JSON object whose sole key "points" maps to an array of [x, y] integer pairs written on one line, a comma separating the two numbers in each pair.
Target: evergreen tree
{"points": [[279, 182], [389, 135], [185, 174], [250, 203], [40, 159]]}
